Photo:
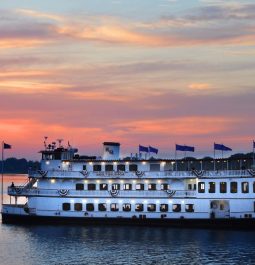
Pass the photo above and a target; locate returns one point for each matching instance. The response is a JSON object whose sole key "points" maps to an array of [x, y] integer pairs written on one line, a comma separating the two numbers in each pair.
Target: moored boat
{"points": [[75, 189]]}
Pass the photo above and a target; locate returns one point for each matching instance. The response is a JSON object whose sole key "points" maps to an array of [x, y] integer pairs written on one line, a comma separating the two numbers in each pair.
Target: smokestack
{"points": [[111, 151]]}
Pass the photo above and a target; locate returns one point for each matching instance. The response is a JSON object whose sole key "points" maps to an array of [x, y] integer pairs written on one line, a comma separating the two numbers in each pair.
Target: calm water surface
{"points": [[67, 245]]}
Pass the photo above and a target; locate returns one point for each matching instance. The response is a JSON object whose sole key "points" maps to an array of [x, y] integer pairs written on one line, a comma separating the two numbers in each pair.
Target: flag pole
{"points": [[214, 157], [175, 159], [2, 177], [253, 157]]}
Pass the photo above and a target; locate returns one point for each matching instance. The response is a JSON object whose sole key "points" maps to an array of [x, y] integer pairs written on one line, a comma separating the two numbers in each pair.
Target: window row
{"points": [[127, 207], [223, 187], [121, 167], [126, 186]]}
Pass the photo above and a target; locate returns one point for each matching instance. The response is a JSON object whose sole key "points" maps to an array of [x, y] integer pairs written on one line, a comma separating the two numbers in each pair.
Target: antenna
{"points": [[45, 141], [59, 142], [53, 145]]}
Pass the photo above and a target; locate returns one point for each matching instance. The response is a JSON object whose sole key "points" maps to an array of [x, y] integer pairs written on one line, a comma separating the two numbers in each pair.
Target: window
{"points": [[115, 186], [91, 186], [97, 168], [102, 207], [109, 167], [233, 187], [121, 167], [103, 186], [84, 167], [177, 208], [90, 207], [223, 187], [189, 208], [127, 186], [132, 167], [189, 186], [151, 207], [139, 207], [78, 207], [201, 187], [114, 207], [164, 186], [211, 187], [152, 186], [126, 207], [154, 167], [139, 186], [254, 186], [79, 186], [163, 207], [66, 206], [245, 187]]}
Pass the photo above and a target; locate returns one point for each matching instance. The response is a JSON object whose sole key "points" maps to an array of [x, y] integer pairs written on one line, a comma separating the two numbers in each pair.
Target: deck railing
{"points": [[21, 191], [140, 174]]}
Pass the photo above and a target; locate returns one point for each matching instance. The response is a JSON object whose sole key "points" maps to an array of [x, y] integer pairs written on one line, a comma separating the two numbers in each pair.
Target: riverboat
{"points": [[74, 189]]}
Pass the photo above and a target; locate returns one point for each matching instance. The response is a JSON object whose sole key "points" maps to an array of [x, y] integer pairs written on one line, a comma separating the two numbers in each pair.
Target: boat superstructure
{"points": [[108, 189]]}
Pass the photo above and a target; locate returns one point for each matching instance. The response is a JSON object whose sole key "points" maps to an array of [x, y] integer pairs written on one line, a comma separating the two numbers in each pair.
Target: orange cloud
{"points": [[30, 86], [6, 43], [180, 126], [199, 86]]}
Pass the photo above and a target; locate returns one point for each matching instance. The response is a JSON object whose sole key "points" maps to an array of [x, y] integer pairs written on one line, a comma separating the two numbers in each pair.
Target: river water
{"points": [[77, 245]]}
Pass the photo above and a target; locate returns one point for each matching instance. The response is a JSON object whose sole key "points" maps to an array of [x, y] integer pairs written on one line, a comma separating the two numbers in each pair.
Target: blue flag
{"points": [[7, 146], [184, 148], [153, 150], [189, 148], [143, 149], [221, 147], [180, 147]]}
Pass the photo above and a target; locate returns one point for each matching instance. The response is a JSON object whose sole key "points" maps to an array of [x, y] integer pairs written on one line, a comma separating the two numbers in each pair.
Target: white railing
{"points": [[138, 174], [21, 191]]}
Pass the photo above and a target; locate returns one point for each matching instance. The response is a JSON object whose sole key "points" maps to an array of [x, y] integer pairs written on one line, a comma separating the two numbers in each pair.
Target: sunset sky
{"points": [[155, 72]]}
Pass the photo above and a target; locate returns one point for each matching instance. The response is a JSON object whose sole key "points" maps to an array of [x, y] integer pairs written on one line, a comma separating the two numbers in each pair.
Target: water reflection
{"points": [[124, 245]]}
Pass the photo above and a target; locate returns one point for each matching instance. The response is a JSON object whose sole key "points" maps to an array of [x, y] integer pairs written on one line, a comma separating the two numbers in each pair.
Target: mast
{"points": [[2, 176]]}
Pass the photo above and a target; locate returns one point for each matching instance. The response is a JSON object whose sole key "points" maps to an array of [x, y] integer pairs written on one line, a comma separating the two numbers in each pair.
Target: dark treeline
{"points": [[236, 161], [19, 166]]}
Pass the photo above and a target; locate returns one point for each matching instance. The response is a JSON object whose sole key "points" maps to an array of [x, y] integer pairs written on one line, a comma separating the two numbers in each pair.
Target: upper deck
{"points": [[66, 163]]}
